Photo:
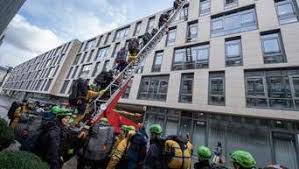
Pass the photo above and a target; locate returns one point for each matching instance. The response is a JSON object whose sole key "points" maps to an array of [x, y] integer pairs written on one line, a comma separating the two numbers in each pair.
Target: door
{"points": [[285, 150]]}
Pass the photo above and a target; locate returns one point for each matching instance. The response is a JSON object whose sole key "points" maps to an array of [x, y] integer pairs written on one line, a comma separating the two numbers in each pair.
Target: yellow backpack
{"points": [[178, 152]]}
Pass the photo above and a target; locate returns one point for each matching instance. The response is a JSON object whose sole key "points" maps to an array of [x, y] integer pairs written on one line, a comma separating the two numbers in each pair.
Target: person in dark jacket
{"points": [[176, 4], [154, 156], [54, 133], [121, 59], [163, 19], [204, 154]]}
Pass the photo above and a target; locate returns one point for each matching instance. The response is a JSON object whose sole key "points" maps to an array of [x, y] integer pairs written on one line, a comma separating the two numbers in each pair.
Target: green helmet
{"points": [[243, 158], [155, 128], [104, 120], [61, 111], [204, 153], [130, 128], [124, 128]]}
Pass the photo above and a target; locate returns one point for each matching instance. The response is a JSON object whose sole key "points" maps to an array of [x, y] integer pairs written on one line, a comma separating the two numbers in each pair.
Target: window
{"points": [[230, 3], [233, 52], [102, 53], [90, 44], [76, 61], [216, 88], [186, 88], [273, 50], [153, 88], [121, 34], [96, 69], [116, 49], [51, 72], [100, 40], [83, 58], [240, 21], [193, 57], [150, 24], [107, 38], [75, 72], [171, 36], [287, 11], [157, 62], [48, 85], [137, 28], [85, 70], [192, 31], [205, 7], [183, 15], [90, 56], [272, 89], [106, 65], [64, 86], [68, 75]]}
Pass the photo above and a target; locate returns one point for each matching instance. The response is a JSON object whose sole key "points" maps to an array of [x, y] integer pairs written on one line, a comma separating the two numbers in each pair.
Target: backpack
{"points": [[14, 106], [137, 149], [133, 44], [79, 88], [146, 38], [28, 131], [154, 31], [178, 154], [121, 55], [99, 142]]}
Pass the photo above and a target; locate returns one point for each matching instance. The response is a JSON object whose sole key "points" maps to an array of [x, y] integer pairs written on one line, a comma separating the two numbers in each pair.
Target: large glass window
{"points": [[102, 53], [107, 38], [116, 49], [186, 88], [192, 31], [137, 28], [157, 62], [273, 49], [171, 36], [64, 86], [48, 85], [105, 67], [194, 57], [121, 34], [96, 69], [272, 89], [217, 88], [233, 52], [85, 70], [77, 58], [153, 88], [150, 24], [75, 72], [205, 7], [90, 56], [234, 23], [90, 44], [287, 11], [183, 15]]}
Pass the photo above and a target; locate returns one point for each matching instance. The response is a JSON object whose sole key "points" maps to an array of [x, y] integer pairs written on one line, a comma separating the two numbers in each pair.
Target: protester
{"points": [[218, 157], [242, 160], [97, 146], [204, 154], [23, 108]]}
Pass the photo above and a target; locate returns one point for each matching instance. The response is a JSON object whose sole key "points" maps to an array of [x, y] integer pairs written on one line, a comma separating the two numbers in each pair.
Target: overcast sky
{"points": [[41, 25]]}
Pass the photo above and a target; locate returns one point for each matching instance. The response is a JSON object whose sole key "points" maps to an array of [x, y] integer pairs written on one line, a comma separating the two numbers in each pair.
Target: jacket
{"points": [[120, 150], [17, 115], [154, 157], [204, 164]]}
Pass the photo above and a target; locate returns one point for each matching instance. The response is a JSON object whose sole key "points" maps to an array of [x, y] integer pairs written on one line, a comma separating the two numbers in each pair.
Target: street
{"points": [[4, 106]]}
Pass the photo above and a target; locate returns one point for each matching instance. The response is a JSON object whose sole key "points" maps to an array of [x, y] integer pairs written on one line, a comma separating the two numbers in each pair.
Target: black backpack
{"points": [[78, 88], [133, 44], [137, 150], [121, 55], [14, 106], [99, 143]]}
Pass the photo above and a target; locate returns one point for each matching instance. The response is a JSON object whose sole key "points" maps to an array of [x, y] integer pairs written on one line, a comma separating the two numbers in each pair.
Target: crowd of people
{"points": [[49, 131], [100, 147]]}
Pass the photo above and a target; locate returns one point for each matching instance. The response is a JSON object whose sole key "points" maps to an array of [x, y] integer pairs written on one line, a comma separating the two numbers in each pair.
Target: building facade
{"points": [[227, 71], [8, 10]]}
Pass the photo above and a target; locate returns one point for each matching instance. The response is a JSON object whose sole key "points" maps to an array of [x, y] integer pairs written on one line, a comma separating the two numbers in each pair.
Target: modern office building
{"points": [[227, 71], [8, 9], [42, 76]]}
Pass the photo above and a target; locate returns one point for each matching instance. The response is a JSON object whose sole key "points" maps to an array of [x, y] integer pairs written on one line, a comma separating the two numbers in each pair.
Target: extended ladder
{"points": [[120, 83]]}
